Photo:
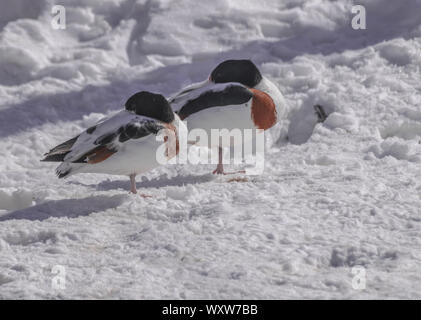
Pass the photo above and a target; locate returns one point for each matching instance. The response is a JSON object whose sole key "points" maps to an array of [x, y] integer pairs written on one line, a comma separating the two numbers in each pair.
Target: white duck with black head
{"points": [[235, 95], [124, 143]]}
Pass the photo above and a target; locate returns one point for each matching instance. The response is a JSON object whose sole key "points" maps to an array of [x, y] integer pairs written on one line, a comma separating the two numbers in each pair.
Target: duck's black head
{"points": [[150, 105], [242, 71]]}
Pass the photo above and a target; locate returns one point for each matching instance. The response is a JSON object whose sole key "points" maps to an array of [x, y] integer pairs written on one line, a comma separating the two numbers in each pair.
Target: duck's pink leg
{"points": [[220, 167]]}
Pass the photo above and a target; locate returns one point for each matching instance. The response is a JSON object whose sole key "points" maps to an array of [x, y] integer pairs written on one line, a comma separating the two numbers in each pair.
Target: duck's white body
{"points": [[230, 116], [235, 96], [125, 143], [134, 156]]}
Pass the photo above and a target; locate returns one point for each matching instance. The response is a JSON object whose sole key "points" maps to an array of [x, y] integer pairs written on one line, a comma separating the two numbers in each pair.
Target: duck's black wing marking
{"points": [[138, 130], [96, 145], [58, 153], [108, 144], [230, 95]]}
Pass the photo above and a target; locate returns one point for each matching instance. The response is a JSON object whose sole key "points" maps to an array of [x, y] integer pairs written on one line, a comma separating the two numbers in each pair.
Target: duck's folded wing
{"points": [[218, 95], [103, 140], [186, 92]]}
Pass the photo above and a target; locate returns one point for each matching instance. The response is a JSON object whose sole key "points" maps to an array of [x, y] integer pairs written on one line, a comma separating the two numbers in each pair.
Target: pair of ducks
{"points": [[235, 95]]}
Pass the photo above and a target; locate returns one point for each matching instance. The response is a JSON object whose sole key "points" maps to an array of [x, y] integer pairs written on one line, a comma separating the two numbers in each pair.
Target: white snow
{"points": [[333, 196]]}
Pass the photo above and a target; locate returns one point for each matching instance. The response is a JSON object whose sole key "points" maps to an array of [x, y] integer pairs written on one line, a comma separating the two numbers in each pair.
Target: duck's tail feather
{"points": [[55, 157], [67, 169], [58, 153]]}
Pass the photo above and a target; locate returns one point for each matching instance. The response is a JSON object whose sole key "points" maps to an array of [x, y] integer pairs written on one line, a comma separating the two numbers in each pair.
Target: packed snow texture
{"points": [[333, 196]]}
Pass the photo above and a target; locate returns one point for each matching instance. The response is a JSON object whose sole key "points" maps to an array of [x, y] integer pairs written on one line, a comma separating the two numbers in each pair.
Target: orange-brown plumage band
{"points": [[172, 135], [263, 110], [99, 154]]}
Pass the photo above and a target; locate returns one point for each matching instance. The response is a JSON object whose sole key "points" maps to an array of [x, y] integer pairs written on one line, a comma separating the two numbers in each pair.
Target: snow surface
{"points": [[336, 195]]}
